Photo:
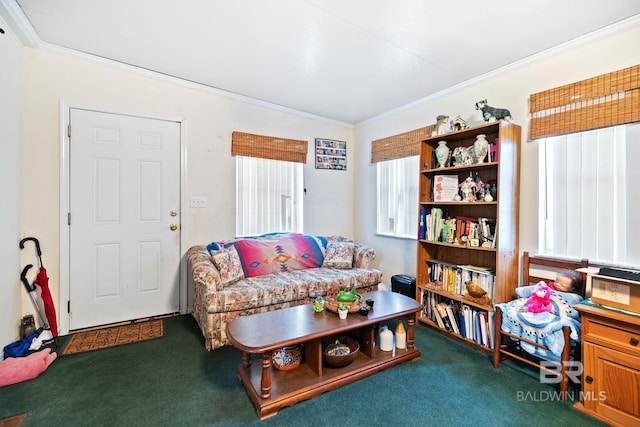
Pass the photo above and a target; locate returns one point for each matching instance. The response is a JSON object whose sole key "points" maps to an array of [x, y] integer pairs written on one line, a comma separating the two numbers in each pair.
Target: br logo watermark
{"points": [[551, 372]]}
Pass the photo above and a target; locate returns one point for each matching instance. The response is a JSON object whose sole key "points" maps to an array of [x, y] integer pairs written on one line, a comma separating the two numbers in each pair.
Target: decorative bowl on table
{"points": [[339, 351], [331, 303]]}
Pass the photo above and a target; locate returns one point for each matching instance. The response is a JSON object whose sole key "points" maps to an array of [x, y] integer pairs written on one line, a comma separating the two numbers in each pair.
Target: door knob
{"points": [[173, 227]]}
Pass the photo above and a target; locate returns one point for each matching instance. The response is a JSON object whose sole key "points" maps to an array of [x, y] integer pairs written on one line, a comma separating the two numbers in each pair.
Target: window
{"points": [[269, 196], [588, 195], [398, 197], [398, 158]]}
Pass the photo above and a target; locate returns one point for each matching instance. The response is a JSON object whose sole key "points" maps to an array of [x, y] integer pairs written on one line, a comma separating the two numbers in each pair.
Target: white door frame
{"points": [[64, 290]]}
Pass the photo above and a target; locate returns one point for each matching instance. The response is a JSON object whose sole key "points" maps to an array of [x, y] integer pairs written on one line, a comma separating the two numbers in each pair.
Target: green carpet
{"points": [[176, 382]]}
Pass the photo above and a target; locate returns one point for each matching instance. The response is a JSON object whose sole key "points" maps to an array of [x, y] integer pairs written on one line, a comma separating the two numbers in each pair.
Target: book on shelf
{"points": [[493, 151], [477, 333], [434, 225], [459, 284], [434, 222], [441, 310], [488, 231], [453, 278], [479, 269], [439, 321], [453, 318], [422, 225], [467, 316], [483, 319], [458, 318], [479, 229], [462, 323]]}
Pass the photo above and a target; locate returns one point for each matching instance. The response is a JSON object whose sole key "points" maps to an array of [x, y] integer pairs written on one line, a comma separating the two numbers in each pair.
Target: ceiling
{"points": [[346, 60]]}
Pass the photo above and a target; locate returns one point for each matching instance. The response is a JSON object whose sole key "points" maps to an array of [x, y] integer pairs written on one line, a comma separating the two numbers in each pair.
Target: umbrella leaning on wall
{"points": [[42, 280]]}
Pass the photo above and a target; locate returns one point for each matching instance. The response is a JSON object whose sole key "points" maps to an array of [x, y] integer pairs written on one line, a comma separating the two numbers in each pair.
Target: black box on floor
{"points": [[403, 284]]}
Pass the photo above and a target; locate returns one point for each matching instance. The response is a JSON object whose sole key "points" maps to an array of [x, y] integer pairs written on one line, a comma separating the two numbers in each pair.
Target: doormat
{"points": [[15, 421], [114, 336]]}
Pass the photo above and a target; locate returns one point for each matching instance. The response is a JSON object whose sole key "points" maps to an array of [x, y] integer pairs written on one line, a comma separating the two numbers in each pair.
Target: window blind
{"points": [[606, 100], [397, 184], [268, 147], [398, 146], [269, 196], [587, 207]]}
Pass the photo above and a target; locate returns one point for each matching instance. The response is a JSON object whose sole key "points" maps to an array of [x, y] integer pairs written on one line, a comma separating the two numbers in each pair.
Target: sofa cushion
{"points": [[339, 255], [271, 289], [228, 264]]}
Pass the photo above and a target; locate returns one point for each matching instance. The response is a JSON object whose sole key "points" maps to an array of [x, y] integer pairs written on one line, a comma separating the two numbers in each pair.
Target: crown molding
{"points": [[19, 24]]}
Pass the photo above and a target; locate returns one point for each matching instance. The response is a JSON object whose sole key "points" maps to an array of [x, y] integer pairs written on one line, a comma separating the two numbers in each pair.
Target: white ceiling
{"points": [[347, 60]]}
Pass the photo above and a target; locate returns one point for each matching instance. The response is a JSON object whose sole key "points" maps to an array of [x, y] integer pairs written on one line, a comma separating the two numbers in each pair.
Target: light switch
{"points": [[198, 202]]}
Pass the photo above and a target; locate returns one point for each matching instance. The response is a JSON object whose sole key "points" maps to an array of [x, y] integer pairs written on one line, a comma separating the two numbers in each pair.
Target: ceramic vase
{"points": [[386, 338], [287, 358], [481, 148], [442, 153], [401, 335], [343, 313]]}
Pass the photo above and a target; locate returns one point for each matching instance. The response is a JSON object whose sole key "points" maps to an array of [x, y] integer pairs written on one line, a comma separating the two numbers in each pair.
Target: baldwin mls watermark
{"points": [[551, 373]]}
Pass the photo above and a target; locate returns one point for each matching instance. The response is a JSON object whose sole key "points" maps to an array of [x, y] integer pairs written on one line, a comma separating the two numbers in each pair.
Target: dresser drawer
{"points": [[624, 339]]}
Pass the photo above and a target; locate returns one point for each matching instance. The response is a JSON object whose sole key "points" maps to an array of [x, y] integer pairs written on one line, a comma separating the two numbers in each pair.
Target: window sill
{"points": [[393, 236]]}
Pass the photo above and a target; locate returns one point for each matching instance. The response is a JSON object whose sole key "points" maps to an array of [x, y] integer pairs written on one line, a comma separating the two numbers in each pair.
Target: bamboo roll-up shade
{"points": [[607, 100], [398, 146], [268, 147]]}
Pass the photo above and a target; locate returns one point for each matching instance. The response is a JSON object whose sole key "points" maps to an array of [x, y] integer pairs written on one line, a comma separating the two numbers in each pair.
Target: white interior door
{"points": [[124, 198]]}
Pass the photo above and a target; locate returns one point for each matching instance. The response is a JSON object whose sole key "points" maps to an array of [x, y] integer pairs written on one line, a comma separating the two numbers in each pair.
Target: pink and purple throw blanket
{"points": [[274, 253]]}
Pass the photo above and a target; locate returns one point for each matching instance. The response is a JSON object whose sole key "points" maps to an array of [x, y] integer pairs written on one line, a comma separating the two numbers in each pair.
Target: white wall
{"points": [[51, 76], [510, 89], [10, 122]]}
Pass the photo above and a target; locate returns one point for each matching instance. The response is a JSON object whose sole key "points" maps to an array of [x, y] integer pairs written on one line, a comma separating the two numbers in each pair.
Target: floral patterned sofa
{"points": [[255, 275]]}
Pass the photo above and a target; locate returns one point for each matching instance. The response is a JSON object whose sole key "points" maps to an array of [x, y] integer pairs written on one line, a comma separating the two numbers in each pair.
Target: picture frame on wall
{"points": [[331, 154]]}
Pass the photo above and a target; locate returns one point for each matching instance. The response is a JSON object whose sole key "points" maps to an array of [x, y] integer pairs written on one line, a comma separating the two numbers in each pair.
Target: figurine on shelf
{"points": [[456, 156], [458, 124], [468, 187], [449, 230], [479, 188], [488, 197], [461, 156], [493, 189], [441, 125], [489, 112]]}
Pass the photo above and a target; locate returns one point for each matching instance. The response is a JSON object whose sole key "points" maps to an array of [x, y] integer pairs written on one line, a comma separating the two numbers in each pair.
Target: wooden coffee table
{"points": [[271, 389]]}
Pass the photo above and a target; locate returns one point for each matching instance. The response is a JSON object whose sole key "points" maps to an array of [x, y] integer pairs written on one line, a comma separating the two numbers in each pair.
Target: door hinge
{"points": [[68, 306], [69, 130], [68, 218]]}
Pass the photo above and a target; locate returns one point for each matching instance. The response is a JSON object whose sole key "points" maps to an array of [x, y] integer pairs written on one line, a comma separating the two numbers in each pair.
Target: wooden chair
{"points": [[506, 347]]}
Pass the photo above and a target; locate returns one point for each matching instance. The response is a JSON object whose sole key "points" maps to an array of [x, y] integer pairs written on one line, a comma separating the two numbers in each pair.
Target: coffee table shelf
{"points": [[271, 389]]}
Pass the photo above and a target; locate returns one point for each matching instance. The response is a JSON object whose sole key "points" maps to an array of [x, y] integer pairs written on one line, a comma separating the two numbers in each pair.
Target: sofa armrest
{"points": [[202, 271], [363, 255]]}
